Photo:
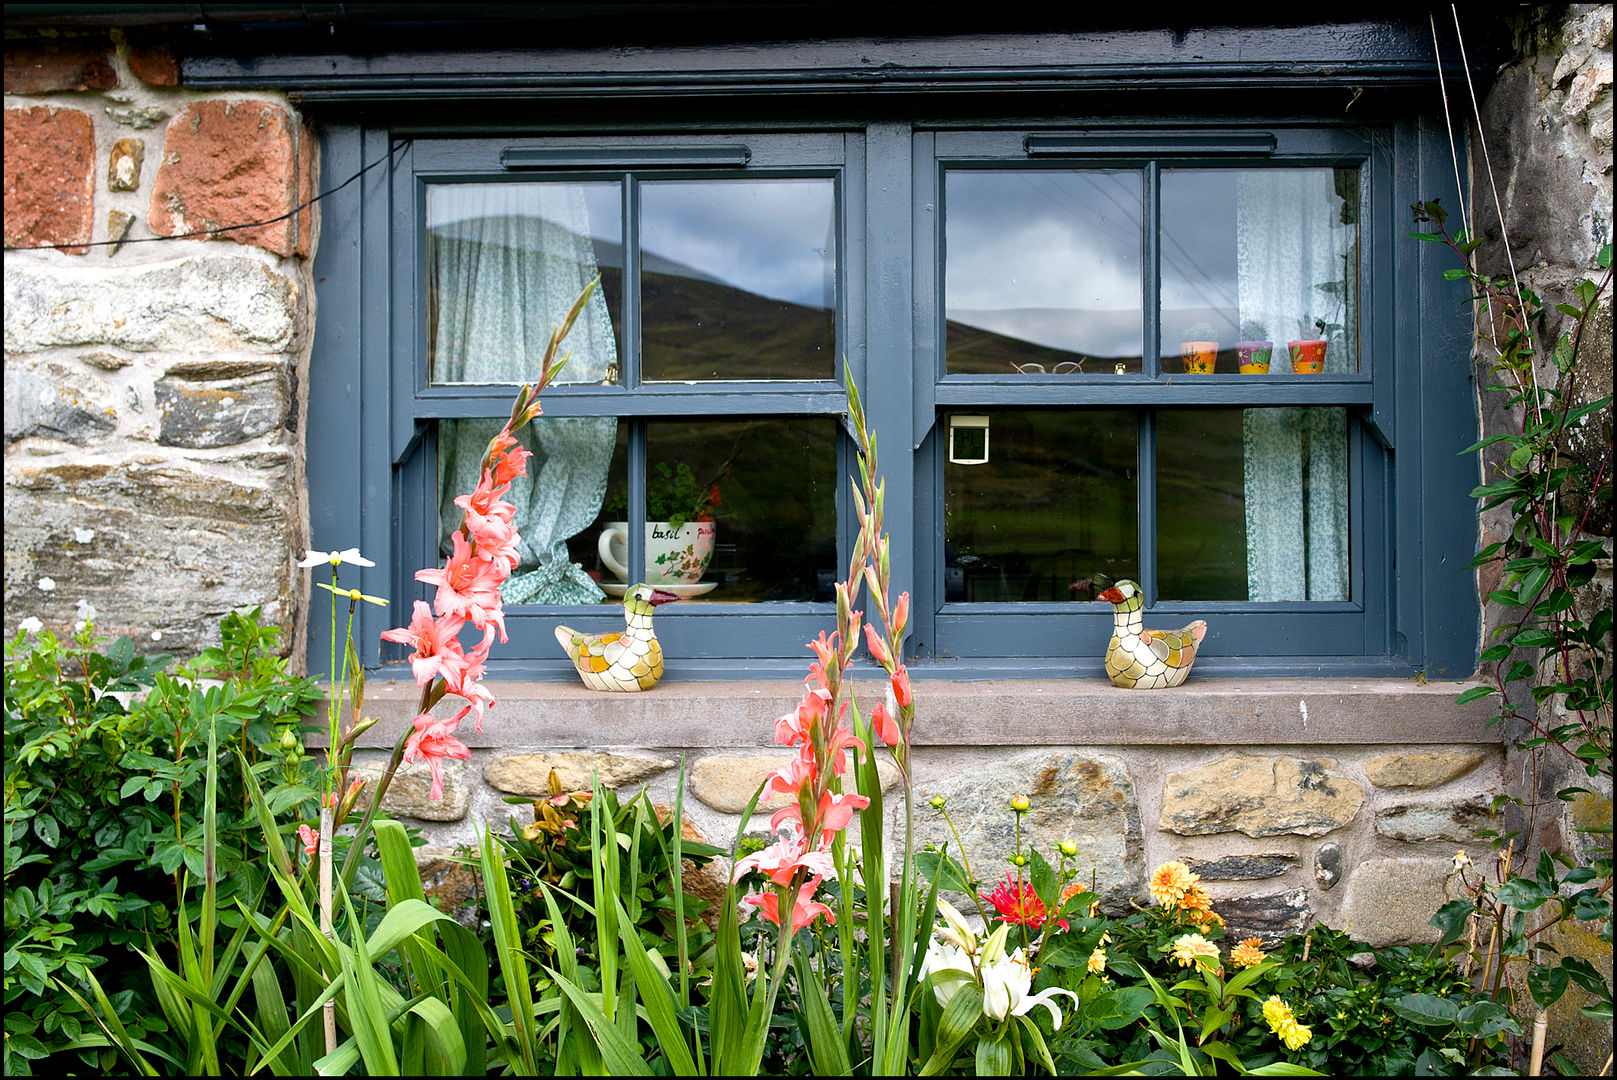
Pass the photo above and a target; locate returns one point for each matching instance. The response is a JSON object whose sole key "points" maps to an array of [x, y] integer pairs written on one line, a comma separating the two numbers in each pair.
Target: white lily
{"points": [[956, 930], [1006, 982], [948, 968], [350, 556]]}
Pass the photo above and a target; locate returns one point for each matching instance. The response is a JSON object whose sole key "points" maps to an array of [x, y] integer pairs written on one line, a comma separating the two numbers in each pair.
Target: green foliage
{"points": [[105, 763], [1548, 667], [673, 495]]}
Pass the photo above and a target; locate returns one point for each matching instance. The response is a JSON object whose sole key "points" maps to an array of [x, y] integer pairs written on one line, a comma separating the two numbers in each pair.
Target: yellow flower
{"points": [[1188, 947], [1279, 1017], [1462, 860], [1247, 953], [1097, 961], [1171, 881]]}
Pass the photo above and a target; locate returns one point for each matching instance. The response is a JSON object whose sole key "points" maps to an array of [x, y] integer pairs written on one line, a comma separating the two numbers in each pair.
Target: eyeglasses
{"points": [[1065, 367]]}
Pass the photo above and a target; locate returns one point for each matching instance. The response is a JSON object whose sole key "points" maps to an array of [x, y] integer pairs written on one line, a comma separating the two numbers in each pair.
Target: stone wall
{"points": [[152, 462], [1547, 126], [1298, 801]]}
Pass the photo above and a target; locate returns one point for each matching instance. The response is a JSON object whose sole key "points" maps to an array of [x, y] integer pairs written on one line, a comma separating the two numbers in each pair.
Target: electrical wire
{"points": [[392, 150]]}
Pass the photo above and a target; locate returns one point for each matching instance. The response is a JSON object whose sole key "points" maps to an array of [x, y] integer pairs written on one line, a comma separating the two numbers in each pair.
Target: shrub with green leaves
{"points": [[104, 758]]}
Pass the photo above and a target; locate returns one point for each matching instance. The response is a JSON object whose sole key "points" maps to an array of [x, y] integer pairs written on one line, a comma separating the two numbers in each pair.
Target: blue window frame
{"points": [[1391, 414]]}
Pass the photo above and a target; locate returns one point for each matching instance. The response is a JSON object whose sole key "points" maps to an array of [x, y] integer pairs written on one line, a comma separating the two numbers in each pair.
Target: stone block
{"points": [[192, 305], [124, 163], [726, 781], [410, 792], [118, 225], [138, 117], [228, 163], [1270, 916], [48, 65], [50, 177], [1086, 798], [151, 57], [202, 414], [1259, 796], [172, 548], [1243, 867], [57, 401], [529, 774], [1421, 769], [1456, 821], [452, 887], [1391, 901], [1328, 866]]}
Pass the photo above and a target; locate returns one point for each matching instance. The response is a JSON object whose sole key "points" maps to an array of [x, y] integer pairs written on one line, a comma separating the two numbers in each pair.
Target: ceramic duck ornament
{"points": [[628, 661], [1140, 659]]}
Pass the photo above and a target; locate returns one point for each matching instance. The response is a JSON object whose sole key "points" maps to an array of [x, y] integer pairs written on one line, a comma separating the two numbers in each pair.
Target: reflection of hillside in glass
{"points": [[697, 329], [1201, 505], [973, 350]]}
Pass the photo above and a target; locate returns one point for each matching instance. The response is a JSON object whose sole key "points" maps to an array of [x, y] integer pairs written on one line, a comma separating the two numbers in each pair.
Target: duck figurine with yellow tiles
{"points": [[1140, 659], [628, 661]]}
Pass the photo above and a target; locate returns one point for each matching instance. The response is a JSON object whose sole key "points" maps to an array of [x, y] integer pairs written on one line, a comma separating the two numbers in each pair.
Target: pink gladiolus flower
{"points": [[469, 587], [803, 913], [887, 729], [901, 614], [437, 650], [486, 502], [496, 540], [432, 741], [877, 647], [310, 838], [901, 687], [825, 648], [794, 727], [836, 811], [790, 778], [461, 680], [780, 860]]}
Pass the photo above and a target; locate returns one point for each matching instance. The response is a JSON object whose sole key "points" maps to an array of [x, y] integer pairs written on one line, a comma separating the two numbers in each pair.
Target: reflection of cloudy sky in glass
{"points": [[1198, 241], [1049, 257], [775, 238]]}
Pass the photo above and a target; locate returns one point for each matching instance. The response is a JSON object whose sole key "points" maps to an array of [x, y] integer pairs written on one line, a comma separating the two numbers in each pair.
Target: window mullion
{"points": [[1147, 480], [1151, 260]]}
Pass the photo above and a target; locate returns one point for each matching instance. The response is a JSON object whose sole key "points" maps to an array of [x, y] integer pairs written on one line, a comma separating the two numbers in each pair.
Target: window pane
{"points": [[1051, 514], [738, 279], [1042, 272], [1252, 504], [504, 264], [737, 510], [558, 504], [1259, 255]]}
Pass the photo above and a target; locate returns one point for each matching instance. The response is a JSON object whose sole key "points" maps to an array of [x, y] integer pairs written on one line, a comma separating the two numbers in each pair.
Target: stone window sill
{"points": [[1013, 712]]}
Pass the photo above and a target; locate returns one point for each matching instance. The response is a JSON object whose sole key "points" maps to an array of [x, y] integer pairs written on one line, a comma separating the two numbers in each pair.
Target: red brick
{"points": [[151, 57], [41, 65], [230, 163], [49, 177]]}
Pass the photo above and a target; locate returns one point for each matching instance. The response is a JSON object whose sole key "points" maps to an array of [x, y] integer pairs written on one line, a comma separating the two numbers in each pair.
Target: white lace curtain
{"points": [[505, 262], [1295, 266]]}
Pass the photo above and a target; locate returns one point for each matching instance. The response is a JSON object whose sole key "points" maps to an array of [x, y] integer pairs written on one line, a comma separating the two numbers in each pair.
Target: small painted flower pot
{"points": [[1199, 356], [1307, 357], [1254, 356]]}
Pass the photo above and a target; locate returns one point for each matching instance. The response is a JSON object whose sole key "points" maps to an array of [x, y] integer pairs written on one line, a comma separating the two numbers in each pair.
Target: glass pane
{"points": [[1042, 272], [737, 510], [558, 504], [1252, 504], [738, 279], [1255, 259], [1052, 515], [504, 264]]}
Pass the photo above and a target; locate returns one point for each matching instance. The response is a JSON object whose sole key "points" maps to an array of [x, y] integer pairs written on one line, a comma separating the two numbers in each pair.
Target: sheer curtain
{"points": [[505, 262], [1291, 241]]}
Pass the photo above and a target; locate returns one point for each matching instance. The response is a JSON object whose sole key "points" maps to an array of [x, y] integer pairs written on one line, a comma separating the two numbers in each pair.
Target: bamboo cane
{"points": [[1535, 1062]]}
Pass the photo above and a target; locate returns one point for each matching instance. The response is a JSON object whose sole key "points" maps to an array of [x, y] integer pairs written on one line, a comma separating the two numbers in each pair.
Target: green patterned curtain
{"points": [[505, 262]]}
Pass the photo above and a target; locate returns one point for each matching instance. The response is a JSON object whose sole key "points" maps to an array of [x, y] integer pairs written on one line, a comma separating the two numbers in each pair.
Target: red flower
{"points": [[887, 729], [1019, 904], [901, 687]]}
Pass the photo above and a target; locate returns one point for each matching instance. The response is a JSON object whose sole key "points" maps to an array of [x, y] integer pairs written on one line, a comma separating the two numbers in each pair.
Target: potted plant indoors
{"points": [[1199, 349], [1308, 353], [680, 531], [1253, 352]]}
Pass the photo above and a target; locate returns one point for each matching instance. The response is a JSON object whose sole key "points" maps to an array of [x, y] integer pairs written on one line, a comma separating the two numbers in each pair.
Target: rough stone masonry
{"points": [[152, 465]]}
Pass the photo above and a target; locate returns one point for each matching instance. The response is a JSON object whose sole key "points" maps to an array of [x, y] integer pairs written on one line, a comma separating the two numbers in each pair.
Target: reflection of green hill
{"points": [[972, 350], [694, 329]]}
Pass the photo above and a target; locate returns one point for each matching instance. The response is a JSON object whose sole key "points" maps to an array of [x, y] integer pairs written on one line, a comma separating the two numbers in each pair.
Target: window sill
{"points": [[1017, 712]]}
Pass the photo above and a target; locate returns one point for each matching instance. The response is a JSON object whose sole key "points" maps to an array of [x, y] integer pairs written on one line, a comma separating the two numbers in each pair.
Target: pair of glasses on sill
{"points": [[1065, 367]]}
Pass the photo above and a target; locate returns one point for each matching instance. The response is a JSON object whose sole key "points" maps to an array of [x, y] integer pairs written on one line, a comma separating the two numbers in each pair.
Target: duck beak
{"points": [[1114, 595], [658, 596]]}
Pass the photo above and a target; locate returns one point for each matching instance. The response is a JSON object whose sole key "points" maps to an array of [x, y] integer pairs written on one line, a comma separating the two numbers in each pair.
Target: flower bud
{"points": [[1020, 804], [938, 801], [1018, 860], [290, 741], [1069, 848]]}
